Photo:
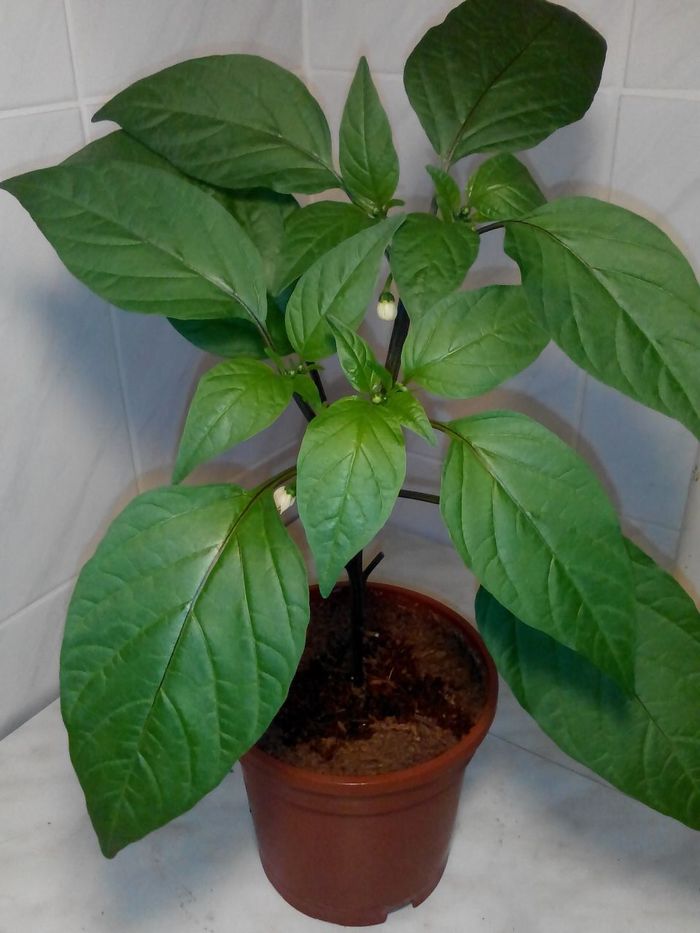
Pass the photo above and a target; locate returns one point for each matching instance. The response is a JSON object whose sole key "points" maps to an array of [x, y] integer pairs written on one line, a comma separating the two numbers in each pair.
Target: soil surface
{"points": [[423, 689]]}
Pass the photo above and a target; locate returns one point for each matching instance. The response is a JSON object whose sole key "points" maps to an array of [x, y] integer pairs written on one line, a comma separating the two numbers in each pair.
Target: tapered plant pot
{"points": [[349, 849]]}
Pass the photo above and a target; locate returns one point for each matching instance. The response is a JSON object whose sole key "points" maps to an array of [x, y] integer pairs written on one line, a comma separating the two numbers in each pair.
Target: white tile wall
{"points": [[98, 396], [92, 398]]}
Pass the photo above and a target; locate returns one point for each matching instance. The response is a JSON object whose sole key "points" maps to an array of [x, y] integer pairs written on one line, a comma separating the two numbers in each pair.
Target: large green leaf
{"points": [[339, 284], [502, 188], [618, 298], [368, 161], [647, 743], [233, 401], [263, 215], [146, 240], [313, 231], [238, 121], [351, 465], [501, 75], [471, 341], [227, 338], [430, 259], [531, 520], [183, 634]]}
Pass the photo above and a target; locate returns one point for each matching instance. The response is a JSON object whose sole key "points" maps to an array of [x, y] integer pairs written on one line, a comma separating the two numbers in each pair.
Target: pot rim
{"points": [[424, 772]]}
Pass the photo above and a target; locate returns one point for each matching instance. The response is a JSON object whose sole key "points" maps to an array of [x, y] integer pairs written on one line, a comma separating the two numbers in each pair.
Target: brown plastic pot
{"points": [[351, 849]]}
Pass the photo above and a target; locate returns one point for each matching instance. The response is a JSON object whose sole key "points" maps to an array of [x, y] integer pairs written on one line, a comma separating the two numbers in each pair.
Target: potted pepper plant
{"points": [[188, 624]]}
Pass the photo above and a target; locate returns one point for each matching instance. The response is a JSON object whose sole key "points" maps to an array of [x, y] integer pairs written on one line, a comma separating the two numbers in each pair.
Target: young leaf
{"points": [[502, 189], [472, 341], [351, 465], [313, 231], [183, 634], [227, 338], [146, 240], [357, 360], [233, 401], [409, 412], [618, 297], [531, 520], [501, 75], [429, 259], [306, 388], [368, 161], [648, 743], [447, 193], [339, 284], [238, 121]]}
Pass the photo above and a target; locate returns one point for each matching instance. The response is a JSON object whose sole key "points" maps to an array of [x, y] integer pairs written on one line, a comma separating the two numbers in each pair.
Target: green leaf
{"points": [[226, 338], [233, 401], [447, 194], [430, 259], [368, 161], [306, 388], [120, 146], [409, 412], [312, 232], [501, 75], [618, 297], [502, 188], [472, 341], [146, 240], [183, 634], [238, 121], [647, 744], [531, 520], [351, 465], [357, 360], [338, 285], [263, 215]]}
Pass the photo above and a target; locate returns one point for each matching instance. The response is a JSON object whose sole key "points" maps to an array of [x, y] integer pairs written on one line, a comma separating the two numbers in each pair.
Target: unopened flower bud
{"points": [[284, 498], [386, 307]]}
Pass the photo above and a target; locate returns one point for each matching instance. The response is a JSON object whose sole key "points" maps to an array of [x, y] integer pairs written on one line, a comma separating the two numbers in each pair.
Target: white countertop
{"points": [[540, 845]]}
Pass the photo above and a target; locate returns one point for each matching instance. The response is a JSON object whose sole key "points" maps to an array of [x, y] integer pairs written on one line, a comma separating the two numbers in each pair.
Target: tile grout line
{"points": [[631, 16], [116, 344], [601, 782], [38, 601]]}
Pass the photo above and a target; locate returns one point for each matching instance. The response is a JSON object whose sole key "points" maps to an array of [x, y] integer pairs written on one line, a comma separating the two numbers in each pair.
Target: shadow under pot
{"points": [[349, 848]]}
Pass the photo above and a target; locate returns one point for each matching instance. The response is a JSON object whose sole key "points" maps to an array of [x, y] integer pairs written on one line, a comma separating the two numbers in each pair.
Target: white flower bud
{"points": [[283, 499], [386, 308]]}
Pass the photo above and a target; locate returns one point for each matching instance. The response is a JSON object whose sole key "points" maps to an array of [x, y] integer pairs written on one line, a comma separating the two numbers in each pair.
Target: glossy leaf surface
{"points": [[447, 194], [502, 188], [531, 520], [618, 297], [472, 341], [409, 412], [368, 161], [238, 121], [233, 401], [339, 285], [183, 634], [351, 465], [647, 744], [501, 75], [357, 359], [430, 259], [313, 231], [146, 240]]}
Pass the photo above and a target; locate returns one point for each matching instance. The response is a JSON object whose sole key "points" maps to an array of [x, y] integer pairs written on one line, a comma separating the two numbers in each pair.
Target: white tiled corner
{"points": [[340, 31], [65, 458], [656, 166], [29, 651], [664, 46], [35, 61], [117, 43], [644, 459]]}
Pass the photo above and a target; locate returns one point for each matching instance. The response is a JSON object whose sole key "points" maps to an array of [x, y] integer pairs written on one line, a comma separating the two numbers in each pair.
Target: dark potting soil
{"points": [[423, 689]]}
